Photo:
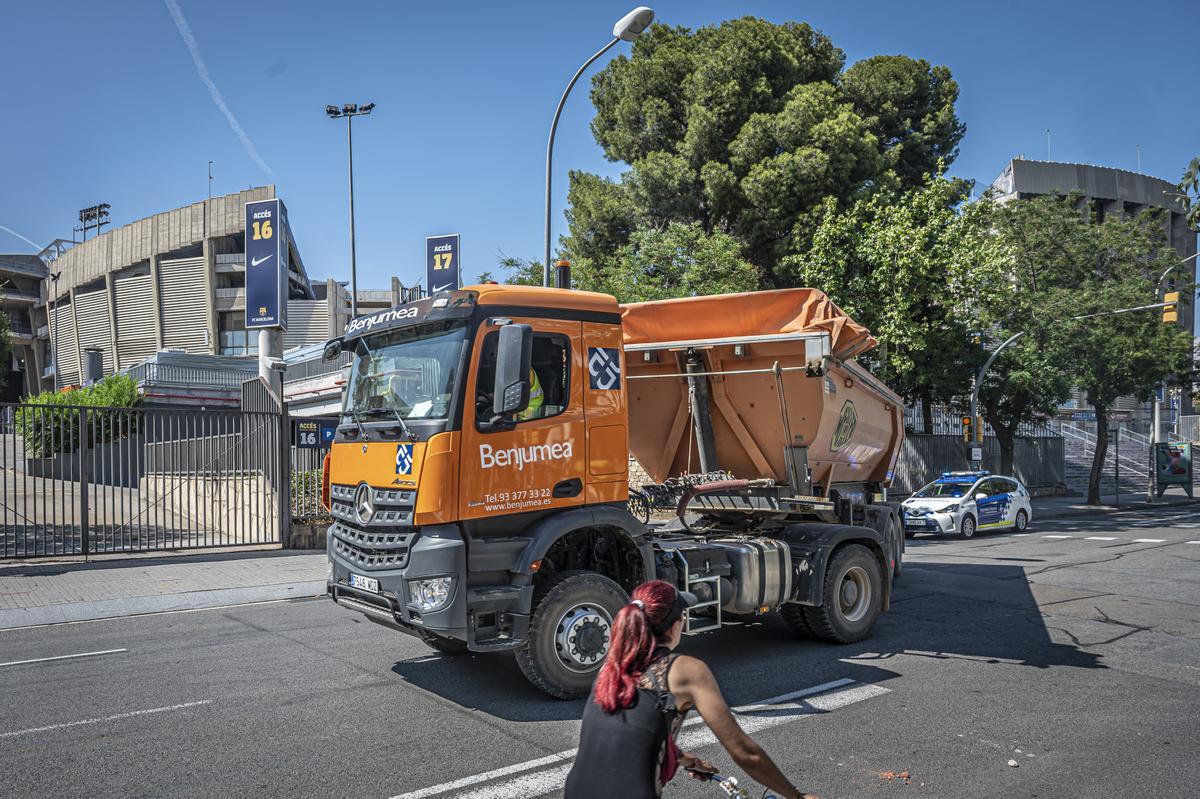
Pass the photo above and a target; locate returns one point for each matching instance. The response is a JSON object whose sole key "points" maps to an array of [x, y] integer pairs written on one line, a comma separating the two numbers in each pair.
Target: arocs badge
{"points": [[604, 368], [404, 458]]}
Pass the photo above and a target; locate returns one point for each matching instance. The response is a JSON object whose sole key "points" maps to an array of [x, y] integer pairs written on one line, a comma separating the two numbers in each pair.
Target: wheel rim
{"points": [[968, 528], [854, 594], [582, 637], [1022, 522]]}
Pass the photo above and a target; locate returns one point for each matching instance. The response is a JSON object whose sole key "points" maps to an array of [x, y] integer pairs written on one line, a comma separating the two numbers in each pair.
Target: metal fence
{"points": [[307, 473], [947, 422], [79, 480]]}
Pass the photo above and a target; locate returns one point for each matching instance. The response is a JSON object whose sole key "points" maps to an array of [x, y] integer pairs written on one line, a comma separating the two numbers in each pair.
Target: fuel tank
{"points": [[760, 576]]}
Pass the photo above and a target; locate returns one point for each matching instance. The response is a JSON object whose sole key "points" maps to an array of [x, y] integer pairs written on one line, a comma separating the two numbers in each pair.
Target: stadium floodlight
{"points": [[349, 111]]}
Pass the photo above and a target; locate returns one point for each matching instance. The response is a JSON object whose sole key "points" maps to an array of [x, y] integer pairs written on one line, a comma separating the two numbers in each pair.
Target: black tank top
{"points": [[621, 754]]}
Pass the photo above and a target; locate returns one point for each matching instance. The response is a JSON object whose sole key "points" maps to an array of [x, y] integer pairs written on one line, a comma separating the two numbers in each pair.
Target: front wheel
{"points": [[1022, 522], [569, 632], [967, 528], [851, 597]]}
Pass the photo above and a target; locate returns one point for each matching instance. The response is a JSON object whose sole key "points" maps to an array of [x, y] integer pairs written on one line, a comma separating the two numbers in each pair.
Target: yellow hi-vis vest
{"points": [[536, 398]]}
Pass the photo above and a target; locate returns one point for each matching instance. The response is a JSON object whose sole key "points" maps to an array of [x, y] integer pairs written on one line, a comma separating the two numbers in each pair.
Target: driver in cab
{"points": [[537, 398]]}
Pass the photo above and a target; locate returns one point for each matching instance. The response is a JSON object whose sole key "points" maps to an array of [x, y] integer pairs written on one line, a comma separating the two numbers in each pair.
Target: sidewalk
{"points": [[52, 593], [1064, 507]]}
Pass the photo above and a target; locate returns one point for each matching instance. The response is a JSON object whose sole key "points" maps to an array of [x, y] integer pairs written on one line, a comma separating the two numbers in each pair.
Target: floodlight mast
{"points": [[349, 111]]}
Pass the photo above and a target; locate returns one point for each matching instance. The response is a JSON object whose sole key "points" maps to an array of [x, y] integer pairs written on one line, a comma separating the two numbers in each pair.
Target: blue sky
{"points": [[103, 103]]}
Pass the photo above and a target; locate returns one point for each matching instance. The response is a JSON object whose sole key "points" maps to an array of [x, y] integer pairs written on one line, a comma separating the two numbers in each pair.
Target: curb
{"points": [[1105, 510], [66, 612]]}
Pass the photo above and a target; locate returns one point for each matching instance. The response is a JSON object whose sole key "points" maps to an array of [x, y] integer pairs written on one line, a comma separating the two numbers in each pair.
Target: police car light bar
{"points": [[981, 473]]}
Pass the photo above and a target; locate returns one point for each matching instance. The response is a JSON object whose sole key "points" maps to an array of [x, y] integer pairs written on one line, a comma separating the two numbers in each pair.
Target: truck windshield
{"points": [[948, 489], [408, 372]]}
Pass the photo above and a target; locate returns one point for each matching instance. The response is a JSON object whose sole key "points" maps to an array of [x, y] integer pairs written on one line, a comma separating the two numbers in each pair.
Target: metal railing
{"points": [[1135, 465], [946, 422], [172, 374], [307, 472], [78, 480]]}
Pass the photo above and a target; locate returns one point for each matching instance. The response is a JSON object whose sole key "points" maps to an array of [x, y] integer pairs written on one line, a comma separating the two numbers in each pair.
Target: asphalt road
{"points": [[1074, 656]]}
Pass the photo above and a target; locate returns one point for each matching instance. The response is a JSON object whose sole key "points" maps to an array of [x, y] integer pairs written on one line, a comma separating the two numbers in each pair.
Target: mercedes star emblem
{"points": [[364, 503]]}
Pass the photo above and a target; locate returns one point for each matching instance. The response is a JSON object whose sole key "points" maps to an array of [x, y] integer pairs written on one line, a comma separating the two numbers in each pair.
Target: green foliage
{"points": [[49, 423], [521, 271], [1190, 187], [676, 261], [750, 130], [306, 495], [895, 262]]}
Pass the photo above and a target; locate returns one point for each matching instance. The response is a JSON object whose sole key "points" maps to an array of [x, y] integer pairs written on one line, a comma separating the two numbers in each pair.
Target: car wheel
{"points": [[569, 632], [851, 598], [967, 528], [1022, 522]]}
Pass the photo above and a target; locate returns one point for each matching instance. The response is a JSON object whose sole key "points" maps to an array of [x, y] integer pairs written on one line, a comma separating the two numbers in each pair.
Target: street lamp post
{"points": [[1155, 402], [349, 111], [627, 29]]}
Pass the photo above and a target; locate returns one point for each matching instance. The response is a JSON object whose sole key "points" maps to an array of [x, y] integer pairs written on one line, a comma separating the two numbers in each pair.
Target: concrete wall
{"points": [[238, 506], [1037, 462]]}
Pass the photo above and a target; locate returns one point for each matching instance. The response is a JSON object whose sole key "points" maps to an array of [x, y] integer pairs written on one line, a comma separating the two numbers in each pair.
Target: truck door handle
{"points": [[568, 488]]}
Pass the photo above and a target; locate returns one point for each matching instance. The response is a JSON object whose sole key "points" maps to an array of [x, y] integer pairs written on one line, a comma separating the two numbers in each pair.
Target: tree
{"points": [[1074, 267], [521, 271], [1190, 187], [746, 129], [1019, 285], [679, 260], [895, 262]]}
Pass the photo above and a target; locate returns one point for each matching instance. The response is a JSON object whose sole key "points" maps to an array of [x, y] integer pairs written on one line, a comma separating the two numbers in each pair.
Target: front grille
{"points": [[384, 543]]}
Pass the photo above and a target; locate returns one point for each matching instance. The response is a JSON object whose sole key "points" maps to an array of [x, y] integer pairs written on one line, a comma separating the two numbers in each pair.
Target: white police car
{"points": [[965, 502]]}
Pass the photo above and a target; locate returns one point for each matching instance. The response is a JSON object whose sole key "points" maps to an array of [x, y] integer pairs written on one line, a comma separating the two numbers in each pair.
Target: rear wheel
{"points": [[967, 528], [569, 632], [897, 548], [793, 616], [851, 597]]}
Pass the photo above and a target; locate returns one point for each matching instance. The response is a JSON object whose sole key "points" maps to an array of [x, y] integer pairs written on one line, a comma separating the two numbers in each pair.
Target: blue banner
{"points": [[266, 264], [313, 433], [443, 263]]}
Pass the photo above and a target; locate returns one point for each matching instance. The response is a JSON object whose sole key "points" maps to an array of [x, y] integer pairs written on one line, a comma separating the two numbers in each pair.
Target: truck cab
{"points": [[478, 483]]}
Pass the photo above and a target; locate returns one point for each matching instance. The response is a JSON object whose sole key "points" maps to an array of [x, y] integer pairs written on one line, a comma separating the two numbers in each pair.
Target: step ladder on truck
{"points": [[465, 519]]}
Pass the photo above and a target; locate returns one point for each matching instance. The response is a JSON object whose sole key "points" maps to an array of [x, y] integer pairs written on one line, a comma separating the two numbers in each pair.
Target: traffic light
{"points": [[1171, 309], [978, 429], [966, 421]]}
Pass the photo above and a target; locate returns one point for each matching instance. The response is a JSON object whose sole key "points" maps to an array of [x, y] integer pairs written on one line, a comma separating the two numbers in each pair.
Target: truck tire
{"points": [[850, 599], [793, 616], [569, 632], [447, 646], [894, 535]]}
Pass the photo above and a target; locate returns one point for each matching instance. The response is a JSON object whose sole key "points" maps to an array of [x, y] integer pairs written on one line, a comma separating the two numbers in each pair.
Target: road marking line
{"points": [[62, 657], [1191, 542], [1149, 540], [775, 711], [1058, 536], [117, 717], [1020, 535], [1100, 538]]}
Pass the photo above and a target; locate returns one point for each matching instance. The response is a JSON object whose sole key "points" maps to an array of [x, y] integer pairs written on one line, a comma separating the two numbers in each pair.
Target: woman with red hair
{"points": [[627, 743]]}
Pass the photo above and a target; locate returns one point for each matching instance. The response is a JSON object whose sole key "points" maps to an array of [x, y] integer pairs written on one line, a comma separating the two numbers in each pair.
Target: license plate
{"points": [[917, 523], [365, 583]]}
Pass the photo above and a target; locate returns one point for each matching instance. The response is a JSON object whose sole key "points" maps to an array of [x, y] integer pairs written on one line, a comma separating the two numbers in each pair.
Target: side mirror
{"points": [[514, 353], [333, 348], [980, 496]]}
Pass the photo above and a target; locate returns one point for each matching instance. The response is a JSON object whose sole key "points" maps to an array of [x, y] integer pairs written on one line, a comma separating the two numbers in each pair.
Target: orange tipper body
{"points": [[478, 477], [851, 425]]}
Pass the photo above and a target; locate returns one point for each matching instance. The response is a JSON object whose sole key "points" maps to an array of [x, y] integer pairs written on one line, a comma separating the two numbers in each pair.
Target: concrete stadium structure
{"points": [[175, 282]]}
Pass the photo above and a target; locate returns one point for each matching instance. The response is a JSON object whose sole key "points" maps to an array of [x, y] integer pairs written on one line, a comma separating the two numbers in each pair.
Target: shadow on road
{"points": [[943, 611]]}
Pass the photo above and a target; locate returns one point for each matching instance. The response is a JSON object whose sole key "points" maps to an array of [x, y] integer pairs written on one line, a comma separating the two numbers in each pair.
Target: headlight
{"points": [[432, 594], [950, 509]]}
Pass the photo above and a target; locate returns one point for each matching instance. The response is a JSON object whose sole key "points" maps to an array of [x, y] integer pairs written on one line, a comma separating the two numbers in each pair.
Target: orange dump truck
{"points": [[478, 479]]}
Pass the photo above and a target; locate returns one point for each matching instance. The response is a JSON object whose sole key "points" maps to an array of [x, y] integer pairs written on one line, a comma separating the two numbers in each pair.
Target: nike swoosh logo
{"points": [[436, 289], [258, 261]]}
